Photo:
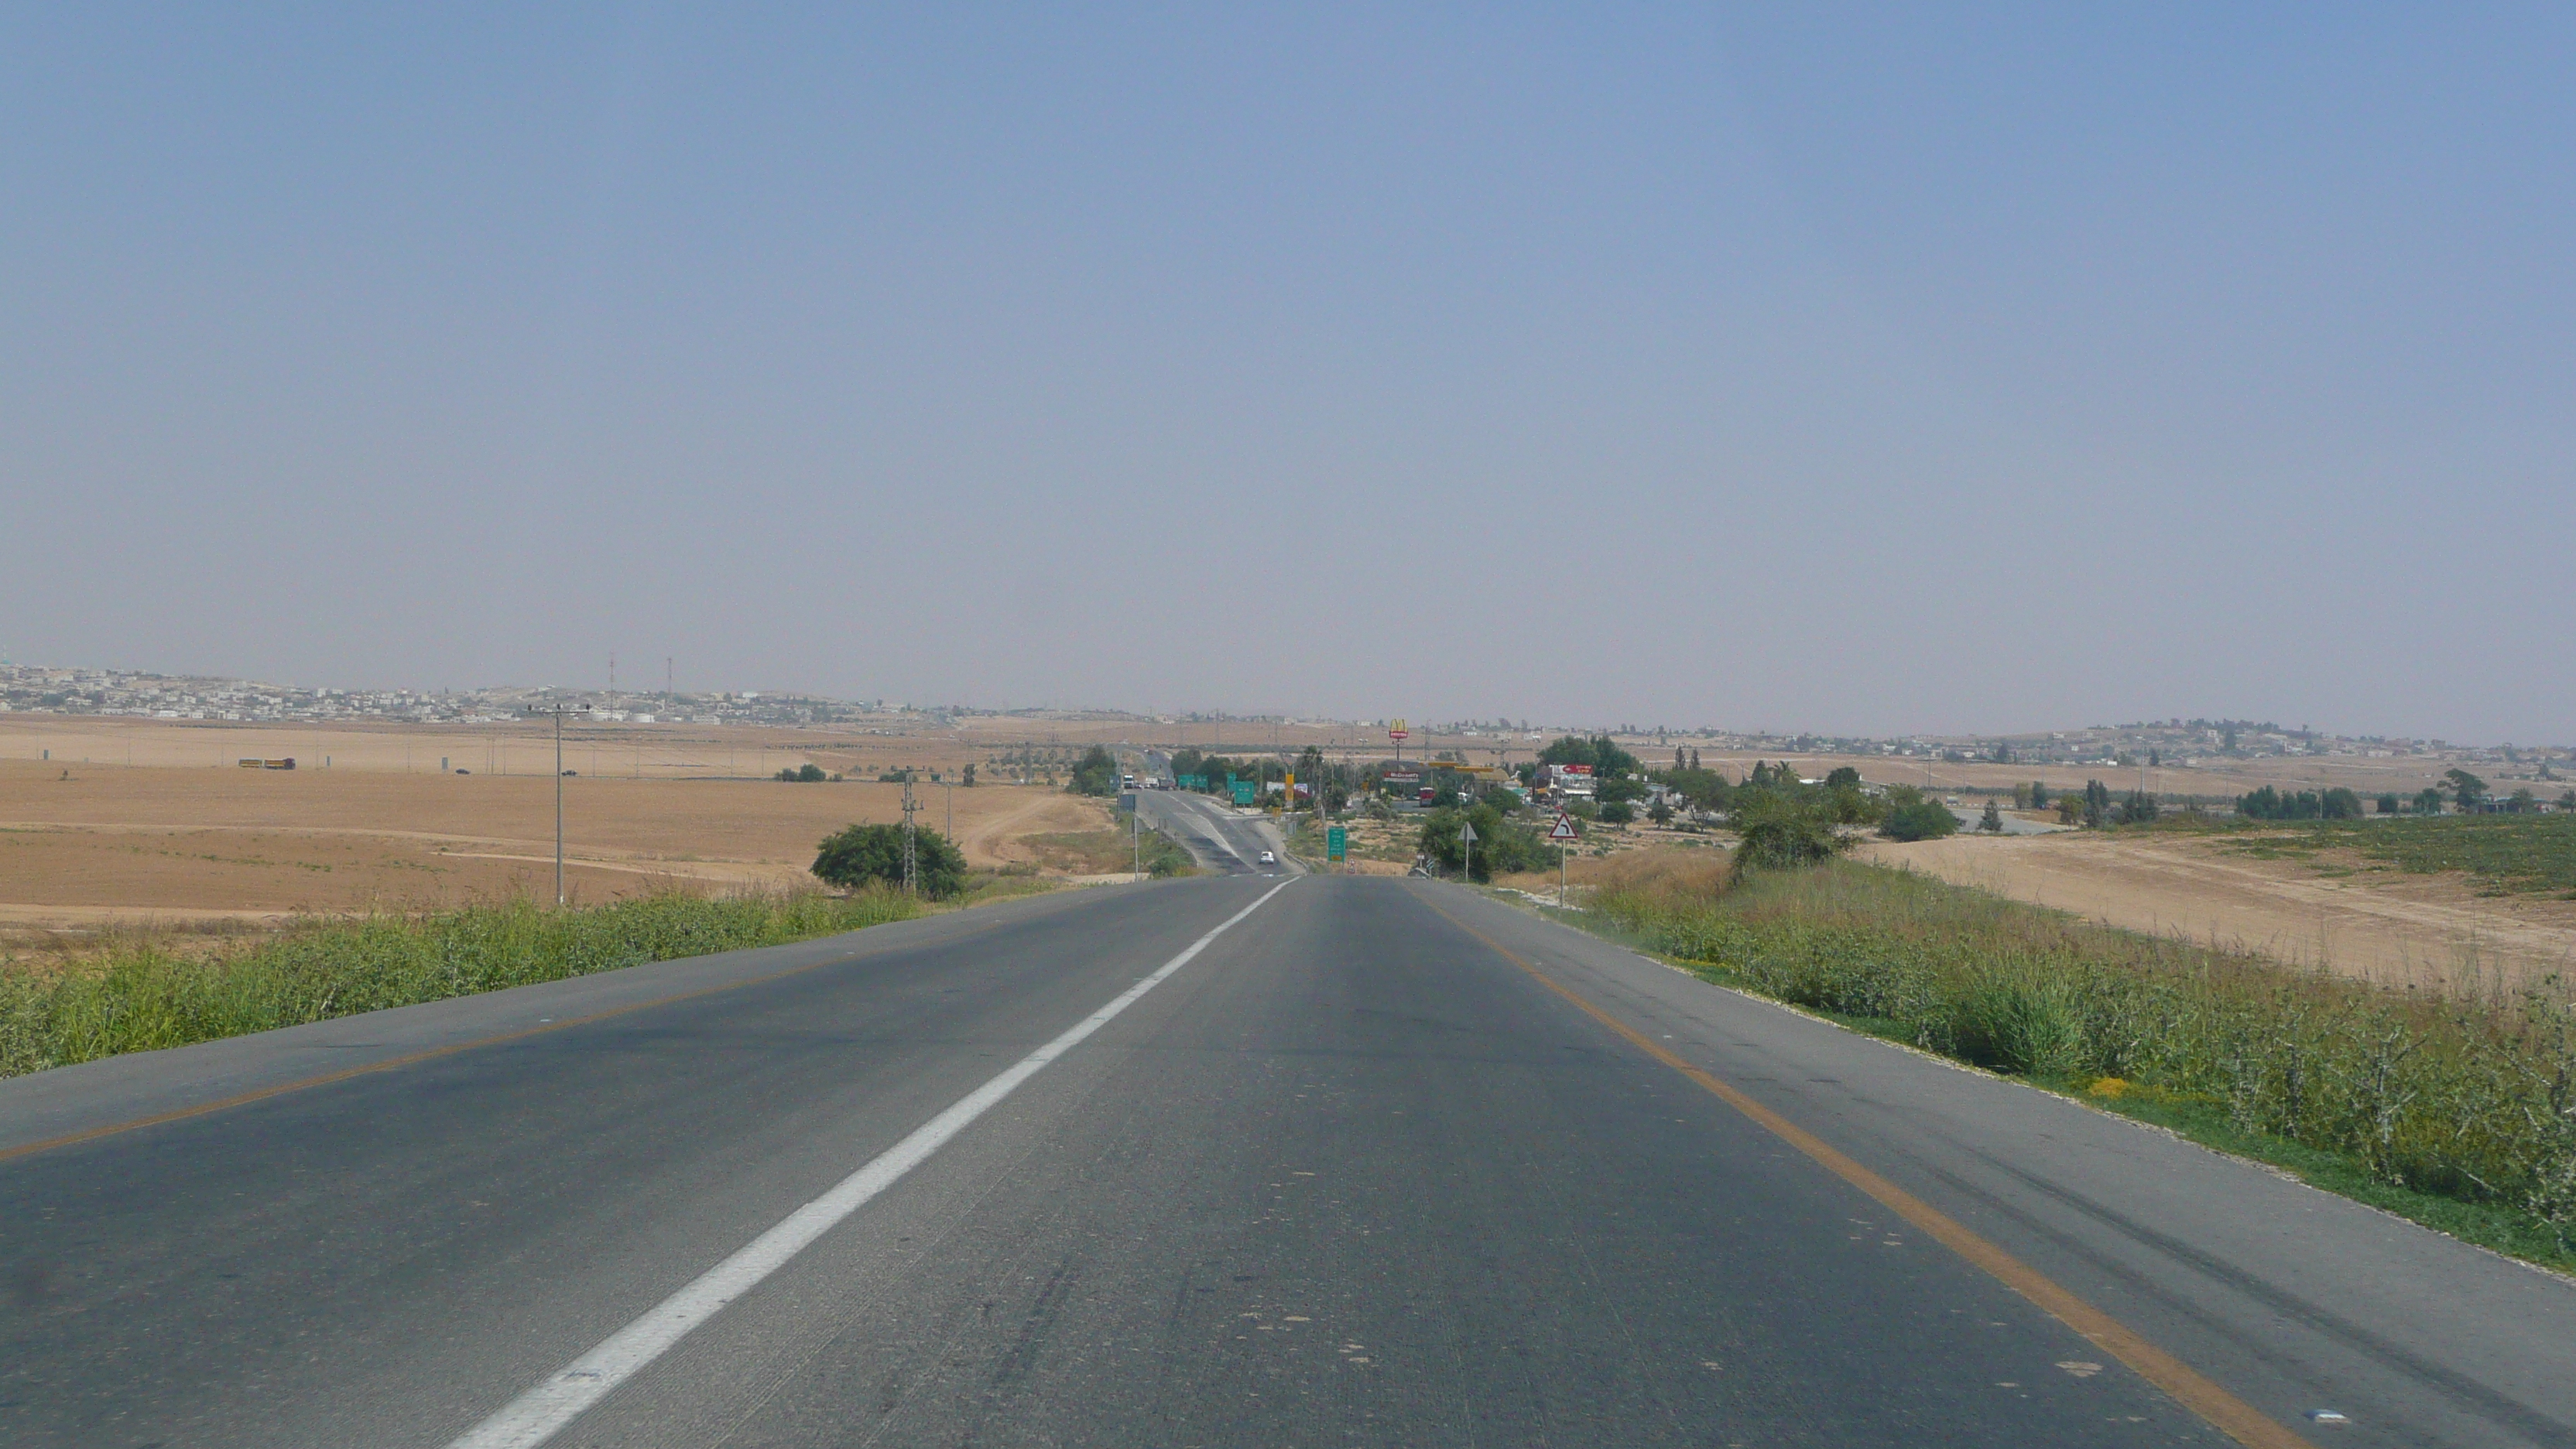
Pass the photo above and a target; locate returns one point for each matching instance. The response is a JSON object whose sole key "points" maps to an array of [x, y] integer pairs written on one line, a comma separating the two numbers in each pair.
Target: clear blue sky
{"points": [[1867, 370]]}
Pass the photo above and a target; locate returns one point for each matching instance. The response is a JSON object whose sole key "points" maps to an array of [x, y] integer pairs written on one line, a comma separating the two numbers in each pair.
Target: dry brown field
{"points": [[86, 842], [2377, 922], [594, 751]]}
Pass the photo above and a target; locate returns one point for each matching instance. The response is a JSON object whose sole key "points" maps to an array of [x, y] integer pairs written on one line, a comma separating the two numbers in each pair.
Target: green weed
{"points": [[143, 997], [2468, 1104]]}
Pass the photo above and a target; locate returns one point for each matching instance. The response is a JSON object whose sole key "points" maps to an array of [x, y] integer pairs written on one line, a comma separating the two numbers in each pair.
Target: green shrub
{"points": [[1912, 815], [873, 855], [1778, 832]]}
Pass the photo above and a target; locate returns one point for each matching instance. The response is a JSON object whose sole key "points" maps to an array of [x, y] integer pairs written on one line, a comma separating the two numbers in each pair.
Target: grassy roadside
{"points": [[2457, 1114], [143, 994]]}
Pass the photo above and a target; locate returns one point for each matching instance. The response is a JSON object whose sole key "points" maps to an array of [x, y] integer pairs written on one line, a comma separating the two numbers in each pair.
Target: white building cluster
{"points": [[142, 695]]}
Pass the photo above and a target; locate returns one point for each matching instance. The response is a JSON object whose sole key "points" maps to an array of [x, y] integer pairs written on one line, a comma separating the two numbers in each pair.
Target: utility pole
{"points": [[559, 711], [910, 876]]}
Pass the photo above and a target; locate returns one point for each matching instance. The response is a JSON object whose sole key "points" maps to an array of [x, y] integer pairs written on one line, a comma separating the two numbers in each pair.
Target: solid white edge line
{"points": [[555, 1401]]}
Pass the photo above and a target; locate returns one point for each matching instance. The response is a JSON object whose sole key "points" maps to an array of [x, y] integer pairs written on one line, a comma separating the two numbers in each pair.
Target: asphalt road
{"points": [[1353, 1173], [1216, 836]]}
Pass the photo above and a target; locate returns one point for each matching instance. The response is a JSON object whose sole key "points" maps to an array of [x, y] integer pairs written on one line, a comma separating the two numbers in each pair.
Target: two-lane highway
{"points": [[1381, 1162]]}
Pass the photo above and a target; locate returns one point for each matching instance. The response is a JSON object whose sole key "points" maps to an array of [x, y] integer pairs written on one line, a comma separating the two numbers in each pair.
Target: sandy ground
{"points": [[2385, 925], [604, 751], [82, 843]]}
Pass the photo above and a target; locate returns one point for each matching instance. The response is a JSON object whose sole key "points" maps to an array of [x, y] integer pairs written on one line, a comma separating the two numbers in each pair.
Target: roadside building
{"points": [[1575, 781]]}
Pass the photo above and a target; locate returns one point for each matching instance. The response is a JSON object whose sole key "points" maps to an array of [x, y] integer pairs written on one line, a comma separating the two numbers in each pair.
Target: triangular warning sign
{"points": [[1563, 829]]}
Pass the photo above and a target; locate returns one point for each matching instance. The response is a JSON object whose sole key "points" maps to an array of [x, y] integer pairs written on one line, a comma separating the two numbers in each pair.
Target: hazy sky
{"points": [[1857, 370]]}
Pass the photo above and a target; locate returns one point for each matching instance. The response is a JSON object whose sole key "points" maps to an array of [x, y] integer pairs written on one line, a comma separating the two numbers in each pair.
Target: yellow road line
{"points": [[2229, 1414], [261, 1094]]}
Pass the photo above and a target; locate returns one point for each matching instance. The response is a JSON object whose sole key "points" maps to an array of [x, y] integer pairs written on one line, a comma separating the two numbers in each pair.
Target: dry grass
{"points": [[2338, 912], [113, 843]]}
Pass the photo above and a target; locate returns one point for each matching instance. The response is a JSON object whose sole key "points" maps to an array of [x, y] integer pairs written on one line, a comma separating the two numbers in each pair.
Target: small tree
{"points": [[2387, 802], [2039, 794], [873, 854], [2467, 789], [1501, 847], [1617, 812], [2428, 801], [1661, 812], [2097, 804], [1097, 774], [968, 780], [1992, 822]]}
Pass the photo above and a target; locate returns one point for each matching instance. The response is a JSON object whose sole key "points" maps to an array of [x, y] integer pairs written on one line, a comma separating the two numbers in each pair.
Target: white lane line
{"points": [[535, 1416]]}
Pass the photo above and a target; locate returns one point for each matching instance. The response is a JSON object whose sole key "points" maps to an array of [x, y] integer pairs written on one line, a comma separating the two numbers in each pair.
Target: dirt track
{"points": [[2425, 930]]}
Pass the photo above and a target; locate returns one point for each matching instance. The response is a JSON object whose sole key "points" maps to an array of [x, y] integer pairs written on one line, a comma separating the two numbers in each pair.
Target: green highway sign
{"points": [[1242, 790], [1337, 843]]}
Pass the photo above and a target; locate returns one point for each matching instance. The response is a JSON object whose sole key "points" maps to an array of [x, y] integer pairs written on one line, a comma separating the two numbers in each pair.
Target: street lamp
{"points": [[559, 711]]}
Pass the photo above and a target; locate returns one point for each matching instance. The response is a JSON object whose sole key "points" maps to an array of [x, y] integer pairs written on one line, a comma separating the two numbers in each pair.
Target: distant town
{"points": [[191, 697], [2172, 743]]}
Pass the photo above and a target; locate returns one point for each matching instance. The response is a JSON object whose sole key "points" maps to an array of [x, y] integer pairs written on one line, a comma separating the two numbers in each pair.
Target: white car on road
{"points": [[1269, 859]]}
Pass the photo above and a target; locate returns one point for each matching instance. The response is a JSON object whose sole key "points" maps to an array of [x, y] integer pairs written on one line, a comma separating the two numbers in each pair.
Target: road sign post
{"points": [[1467, 845], [1561, 832]]}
